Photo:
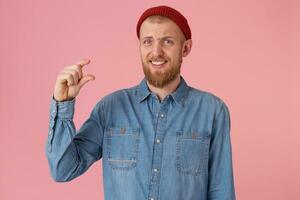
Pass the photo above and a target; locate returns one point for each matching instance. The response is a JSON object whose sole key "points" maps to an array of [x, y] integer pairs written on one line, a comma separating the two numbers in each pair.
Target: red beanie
{"points": [[169, 12]]}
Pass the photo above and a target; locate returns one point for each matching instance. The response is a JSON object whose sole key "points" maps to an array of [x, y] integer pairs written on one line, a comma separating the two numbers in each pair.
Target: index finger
{"points": [[83, 62]]}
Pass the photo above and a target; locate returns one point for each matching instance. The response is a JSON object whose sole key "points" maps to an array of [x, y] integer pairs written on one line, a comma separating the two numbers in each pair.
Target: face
{"points": [[162, 46]]}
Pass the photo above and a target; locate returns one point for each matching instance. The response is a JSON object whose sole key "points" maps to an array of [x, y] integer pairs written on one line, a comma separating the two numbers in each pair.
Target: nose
{"points": [[157, 49]]}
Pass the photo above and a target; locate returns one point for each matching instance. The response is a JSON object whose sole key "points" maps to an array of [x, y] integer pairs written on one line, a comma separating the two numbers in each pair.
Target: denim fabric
{"points": [[176, 149]]}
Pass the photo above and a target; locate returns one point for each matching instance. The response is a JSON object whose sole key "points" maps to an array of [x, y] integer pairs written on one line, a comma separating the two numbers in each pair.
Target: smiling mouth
{"points": [[158, 63]]}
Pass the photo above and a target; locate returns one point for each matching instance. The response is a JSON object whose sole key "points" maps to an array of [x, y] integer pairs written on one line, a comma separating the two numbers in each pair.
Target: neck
{"points": [[166, 90]]}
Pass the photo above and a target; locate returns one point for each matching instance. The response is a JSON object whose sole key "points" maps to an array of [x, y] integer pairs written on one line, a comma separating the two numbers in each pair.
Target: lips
{"points": [[158, 63]]}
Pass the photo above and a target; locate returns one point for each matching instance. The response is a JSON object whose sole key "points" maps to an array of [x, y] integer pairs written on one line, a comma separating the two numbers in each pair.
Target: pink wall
{"points": [[246, 52]]}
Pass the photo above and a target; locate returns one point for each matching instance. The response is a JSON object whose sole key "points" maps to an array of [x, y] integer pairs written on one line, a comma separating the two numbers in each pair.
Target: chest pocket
{"points": [[192, 150], [122, 145]]}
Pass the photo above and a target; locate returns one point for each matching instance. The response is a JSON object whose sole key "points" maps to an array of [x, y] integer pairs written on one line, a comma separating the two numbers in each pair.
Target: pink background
{"points": [[246, 52]]}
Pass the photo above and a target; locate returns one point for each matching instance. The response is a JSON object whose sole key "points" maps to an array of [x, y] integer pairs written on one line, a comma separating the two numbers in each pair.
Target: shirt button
{"points": [[155, 170], [162, 115], [122, 130], [151, 198], [157, 141]]}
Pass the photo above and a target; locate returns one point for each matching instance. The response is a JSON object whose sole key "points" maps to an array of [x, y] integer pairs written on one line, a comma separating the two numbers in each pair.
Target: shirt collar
{"points": [[178, 95]]}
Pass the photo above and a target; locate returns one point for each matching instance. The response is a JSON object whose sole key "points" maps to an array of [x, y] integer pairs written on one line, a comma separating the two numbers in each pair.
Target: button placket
{"points": [[53, 114], [50, 137], [50, 132], [161, 121]]}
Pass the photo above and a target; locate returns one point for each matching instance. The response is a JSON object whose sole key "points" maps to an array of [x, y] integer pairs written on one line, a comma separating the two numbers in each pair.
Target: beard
{"points": [[161, 78]]}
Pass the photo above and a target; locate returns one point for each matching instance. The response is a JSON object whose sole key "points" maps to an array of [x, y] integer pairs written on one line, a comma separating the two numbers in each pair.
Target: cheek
{"points": [[176, 55], [144, 53]]}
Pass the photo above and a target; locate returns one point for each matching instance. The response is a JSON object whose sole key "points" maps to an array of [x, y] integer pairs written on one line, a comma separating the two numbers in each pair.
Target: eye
{"points": [[147, 42], [168, 42]]}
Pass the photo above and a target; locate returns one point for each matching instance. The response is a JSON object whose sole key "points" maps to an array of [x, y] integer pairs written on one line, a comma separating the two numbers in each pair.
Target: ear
{"points": [[187, 47]]}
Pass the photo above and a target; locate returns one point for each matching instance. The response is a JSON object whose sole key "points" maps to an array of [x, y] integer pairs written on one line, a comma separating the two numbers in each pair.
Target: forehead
{"points": [[158, 26]]}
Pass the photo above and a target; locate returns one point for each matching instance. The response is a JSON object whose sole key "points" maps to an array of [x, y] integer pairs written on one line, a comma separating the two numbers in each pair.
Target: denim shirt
{"points": [[175, 149]]}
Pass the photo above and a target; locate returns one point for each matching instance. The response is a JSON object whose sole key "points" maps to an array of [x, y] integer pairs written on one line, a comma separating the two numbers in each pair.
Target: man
{"points": [[158, 140]]}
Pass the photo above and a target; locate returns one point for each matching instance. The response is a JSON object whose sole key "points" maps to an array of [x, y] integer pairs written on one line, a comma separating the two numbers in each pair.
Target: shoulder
{"points": [[206, 99]]}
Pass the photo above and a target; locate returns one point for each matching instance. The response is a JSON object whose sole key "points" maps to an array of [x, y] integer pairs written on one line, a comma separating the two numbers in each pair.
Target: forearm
{"points": [[71, 152], [59, 148]]}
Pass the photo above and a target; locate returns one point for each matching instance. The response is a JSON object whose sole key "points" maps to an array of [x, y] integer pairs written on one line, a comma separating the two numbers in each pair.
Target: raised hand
{"points": [[70, 80]]}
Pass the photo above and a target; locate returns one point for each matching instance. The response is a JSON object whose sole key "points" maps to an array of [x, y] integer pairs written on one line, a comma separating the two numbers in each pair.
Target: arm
{"points": [[71, 153], [221, 181]]}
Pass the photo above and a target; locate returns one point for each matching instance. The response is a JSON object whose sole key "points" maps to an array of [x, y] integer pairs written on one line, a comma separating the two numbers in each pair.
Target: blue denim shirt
{"points": [[176, 149]]}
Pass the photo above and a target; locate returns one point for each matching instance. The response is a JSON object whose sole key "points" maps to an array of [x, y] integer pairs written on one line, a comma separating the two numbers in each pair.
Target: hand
{"points": [[70, 80]]}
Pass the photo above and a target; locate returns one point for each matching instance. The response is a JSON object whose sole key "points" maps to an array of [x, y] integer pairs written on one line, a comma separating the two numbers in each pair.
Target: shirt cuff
{"points": [[62, 109]]}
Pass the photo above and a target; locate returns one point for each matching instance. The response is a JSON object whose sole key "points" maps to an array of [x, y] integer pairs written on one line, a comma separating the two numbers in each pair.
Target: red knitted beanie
{"points": [[169, 12]]}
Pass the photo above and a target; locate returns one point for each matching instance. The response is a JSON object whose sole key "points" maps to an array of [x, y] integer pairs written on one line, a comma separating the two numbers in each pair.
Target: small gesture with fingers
{"points": [[70, 80]]}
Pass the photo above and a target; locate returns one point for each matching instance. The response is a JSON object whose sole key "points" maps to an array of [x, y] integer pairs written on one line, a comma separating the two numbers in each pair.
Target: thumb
{"points": [[85, 79]]}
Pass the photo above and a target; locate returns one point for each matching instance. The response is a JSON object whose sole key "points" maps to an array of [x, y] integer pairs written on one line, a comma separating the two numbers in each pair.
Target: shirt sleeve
{"points": [[221, 180], [69, 152]]}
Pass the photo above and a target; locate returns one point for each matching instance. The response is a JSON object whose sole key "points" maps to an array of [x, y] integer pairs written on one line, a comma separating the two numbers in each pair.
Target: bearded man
{"points": [[160, 139]]}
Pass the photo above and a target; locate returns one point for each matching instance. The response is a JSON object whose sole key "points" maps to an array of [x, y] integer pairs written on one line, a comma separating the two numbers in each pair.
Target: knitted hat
{"points": [[169, 12]]}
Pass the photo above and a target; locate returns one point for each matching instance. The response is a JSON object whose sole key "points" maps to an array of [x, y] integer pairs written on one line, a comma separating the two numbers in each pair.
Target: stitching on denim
{"points": [[127, 164], [203, 160]]}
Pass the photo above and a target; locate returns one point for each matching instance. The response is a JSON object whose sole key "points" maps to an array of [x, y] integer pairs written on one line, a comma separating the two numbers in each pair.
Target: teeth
{"points": [[158, 62]]}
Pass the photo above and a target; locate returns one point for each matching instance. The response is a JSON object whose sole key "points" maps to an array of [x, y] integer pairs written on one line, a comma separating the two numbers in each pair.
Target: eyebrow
{"points": [[162, 38]]}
